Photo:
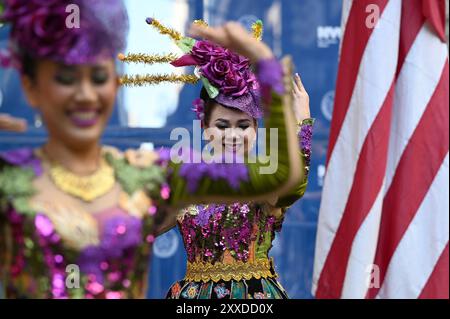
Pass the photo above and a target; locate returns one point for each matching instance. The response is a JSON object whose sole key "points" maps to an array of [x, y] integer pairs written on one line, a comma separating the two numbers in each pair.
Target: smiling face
{"points": [[75, 101], [234, 131]]}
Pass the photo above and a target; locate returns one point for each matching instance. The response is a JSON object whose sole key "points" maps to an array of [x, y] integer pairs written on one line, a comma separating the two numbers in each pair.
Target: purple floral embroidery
{"points": [[193, 173], [205, 213], [305, 136], [209, 230], [23, 157]]}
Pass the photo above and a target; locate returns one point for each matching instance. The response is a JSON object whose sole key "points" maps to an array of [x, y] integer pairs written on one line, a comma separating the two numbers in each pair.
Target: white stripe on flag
{"points": [[363, 252]]}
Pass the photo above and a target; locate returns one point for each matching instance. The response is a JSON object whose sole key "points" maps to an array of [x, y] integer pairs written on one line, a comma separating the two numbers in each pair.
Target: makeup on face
{"points": [[75, 101], [234, 133], [86, 111]]}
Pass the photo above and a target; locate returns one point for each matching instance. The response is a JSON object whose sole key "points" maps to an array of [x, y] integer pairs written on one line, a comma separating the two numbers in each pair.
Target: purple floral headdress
{"points": [[226, 76], [67, 31]]}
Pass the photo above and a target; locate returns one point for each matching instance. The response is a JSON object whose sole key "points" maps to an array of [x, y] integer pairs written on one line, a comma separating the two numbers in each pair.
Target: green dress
{"points": [[228, 246]]}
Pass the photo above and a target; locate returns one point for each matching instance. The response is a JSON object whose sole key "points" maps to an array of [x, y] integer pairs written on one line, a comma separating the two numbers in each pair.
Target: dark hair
{"points": [[29, 65], [210, 105]]}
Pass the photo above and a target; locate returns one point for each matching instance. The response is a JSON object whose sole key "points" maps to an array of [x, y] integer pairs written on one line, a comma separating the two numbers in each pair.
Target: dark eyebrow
{"points": [[222, 120], [99, 67], [66, 67], [244, 121]]}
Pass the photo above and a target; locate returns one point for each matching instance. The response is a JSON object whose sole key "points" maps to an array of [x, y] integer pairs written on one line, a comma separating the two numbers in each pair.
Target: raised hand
{"points": [[13, 124], [301, 100], [233, 36]]}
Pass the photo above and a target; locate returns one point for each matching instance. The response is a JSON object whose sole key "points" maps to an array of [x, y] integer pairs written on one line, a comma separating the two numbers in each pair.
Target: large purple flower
{"points": [[217, 70], [235, 84], [204, 51], [240, 63]]}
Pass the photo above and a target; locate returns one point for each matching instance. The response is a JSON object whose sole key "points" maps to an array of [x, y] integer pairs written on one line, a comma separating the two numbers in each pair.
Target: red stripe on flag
{"points": [[434, 10], [353, 46], [366, 186], [416, 171], [438, 283], [412, 13]]}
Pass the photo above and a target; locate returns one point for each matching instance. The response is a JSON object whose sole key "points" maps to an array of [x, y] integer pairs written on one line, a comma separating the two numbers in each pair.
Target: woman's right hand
{"points": [[234, 37], [13, 124]]}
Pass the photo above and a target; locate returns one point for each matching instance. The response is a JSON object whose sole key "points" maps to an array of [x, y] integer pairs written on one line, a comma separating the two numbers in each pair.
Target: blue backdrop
{"points": [[309, 30]]}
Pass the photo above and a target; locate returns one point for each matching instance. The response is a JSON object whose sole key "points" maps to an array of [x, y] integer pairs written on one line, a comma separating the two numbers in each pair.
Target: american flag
{"points": [[384, 218]]}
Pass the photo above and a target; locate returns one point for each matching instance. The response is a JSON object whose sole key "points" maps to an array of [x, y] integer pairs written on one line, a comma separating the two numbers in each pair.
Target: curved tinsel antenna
{"points": [[152, 79], [258, 29], [175, 35], [147, 58]]}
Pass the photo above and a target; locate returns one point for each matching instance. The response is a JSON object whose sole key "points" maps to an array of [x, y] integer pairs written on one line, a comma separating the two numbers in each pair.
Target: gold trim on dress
{"points": [[238, 270]]}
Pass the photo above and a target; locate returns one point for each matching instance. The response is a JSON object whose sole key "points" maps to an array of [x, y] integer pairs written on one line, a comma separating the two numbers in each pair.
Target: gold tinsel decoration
{"points": [[257, 29], [201, 23], [147, 58], [175, 35], [152, 79]]}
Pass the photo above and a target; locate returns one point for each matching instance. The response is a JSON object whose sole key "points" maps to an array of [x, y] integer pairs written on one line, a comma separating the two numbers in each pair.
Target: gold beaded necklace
{"points": [[87, 188]]}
